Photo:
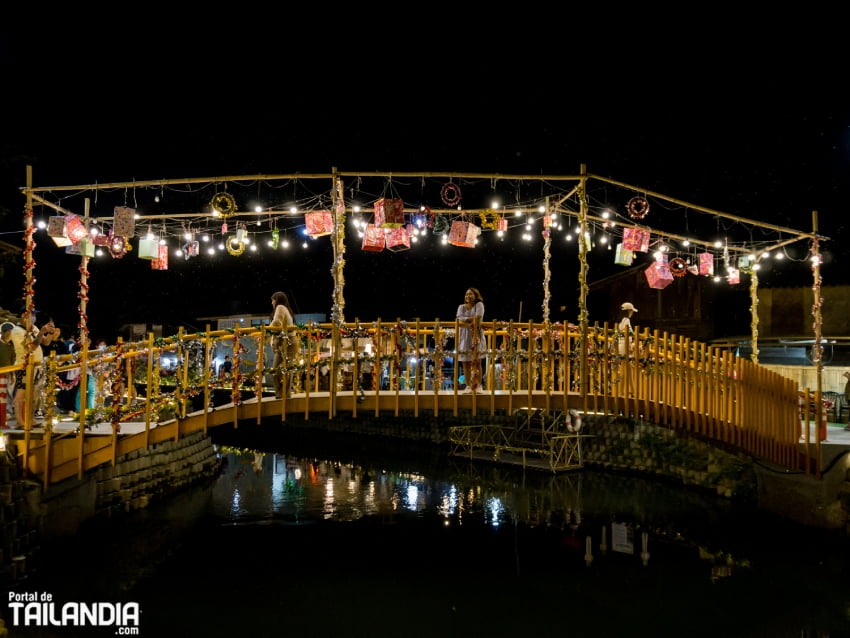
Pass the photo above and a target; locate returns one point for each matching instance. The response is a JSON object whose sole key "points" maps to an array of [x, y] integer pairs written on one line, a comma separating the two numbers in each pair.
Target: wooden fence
{"points": [[663, 378]]}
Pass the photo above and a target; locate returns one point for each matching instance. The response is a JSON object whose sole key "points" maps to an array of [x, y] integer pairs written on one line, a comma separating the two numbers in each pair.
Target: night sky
{"points": [[155, 100]]}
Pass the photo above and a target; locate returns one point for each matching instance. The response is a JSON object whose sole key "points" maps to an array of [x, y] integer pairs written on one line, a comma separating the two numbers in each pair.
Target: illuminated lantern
{"points": [[161, 261], [124, 221], [397, 239], [373, 239], [86, 247], [706, 264], [319, 223], [658, 275], [636, 239], [733, 276], [463, 234], [502, 224], [56, 231], [624, 257], [148, 249], [389, 213]]}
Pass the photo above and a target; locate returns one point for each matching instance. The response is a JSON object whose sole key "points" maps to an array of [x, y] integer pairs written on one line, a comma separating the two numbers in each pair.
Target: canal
{"points": [[314, 534]]}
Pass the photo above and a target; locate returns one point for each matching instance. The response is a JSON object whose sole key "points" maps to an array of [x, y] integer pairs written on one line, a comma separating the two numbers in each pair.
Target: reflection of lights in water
{"points": [[448, 503], [411, 502], [235, 502], [328, 501], [493, 511]]}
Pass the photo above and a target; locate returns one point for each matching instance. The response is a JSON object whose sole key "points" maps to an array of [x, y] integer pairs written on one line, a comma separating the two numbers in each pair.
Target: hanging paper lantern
{"points": [[148, 249], [658, 275], [373, 239], [397, 239], [161, 261], [124, 221], [56, 231], [623, 257], [319, 223], [275, 237], [463, 234], [224, 228], [636, 239], [389, 213], [86, 247], [706, 264], [733, 276]]}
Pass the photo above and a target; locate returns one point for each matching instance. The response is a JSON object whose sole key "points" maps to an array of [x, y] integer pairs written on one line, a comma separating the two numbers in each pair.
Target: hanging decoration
{"points": [[275, 237], [234, 246], [463, 233], [161, 260], [638, 207], [397, 239], [678, 267], [636, 239], [117, 246], [224, 204], [337, 272], [489, 219], [56, 231], [224, 228], [124, 221], [658, 275], [373, 239], [389, 213], [547, 243], [623, 257], [148, 248], [450, 194], [191, 248], [706, 264], [319, 223], [440, 225]]}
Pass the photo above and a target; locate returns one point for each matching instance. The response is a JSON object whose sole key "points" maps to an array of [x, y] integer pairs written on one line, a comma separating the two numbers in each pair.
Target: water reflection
{"points": [[370, 538]]}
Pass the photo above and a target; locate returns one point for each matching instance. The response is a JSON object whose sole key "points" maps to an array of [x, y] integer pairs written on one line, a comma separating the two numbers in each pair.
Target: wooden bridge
{"points": [[548, 370]]}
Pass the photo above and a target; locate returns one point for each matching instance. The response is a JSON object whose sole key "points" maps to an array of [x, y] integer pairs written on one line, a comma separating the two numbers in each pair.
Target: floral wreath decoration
{"points": [[450, 194], [234, 246], [678, 267], [224, 203], [637, 207], [489, 219]]}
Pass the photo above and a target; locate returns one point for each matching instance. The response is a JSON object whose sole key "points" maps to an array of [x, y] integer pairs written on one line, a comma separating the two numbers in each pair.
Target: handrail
{"points": [[686, 385]]}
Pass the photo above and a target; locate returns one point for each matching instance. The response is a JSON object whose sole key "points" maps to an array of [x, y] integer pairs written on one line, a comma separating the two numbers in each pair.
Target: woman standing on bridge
{"points": [[625, 334], [285, 345], [471, 343]]}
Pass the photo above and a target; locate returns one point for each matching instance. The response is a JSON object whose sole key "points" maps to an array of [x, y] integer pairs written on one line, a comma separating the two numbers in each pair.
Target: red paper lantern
{"points": [[373, 239], [389, 213]]}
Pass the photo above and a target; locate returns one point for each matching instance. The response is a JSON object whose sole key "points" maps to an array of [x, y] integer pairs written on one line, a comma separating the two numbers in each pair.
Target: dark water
{"points": [[363, 537]]}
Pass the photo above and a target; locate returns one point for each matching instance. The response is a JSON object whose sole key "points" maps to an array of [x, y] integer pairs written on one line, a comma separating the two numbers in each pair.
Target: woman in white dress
{"points": [[625, 340], [471, 343]]}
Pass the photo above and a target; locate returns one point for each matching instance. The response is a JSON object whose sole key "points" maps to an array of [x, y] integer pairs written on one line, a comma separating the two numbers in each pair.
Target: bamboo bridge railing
{"points": [[664, 378]]}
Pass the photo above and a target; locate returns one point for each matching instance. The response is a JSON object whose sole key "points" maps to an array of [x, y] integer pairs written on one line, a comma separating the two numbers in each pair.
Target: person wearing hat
{"points": [[7, 358], [625, 342]]}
